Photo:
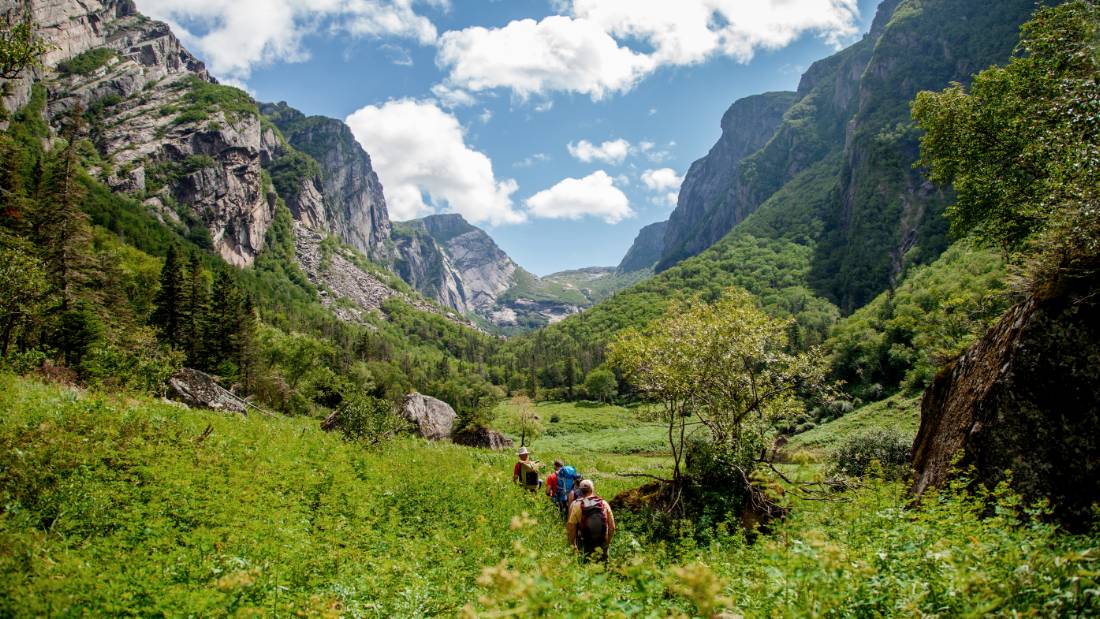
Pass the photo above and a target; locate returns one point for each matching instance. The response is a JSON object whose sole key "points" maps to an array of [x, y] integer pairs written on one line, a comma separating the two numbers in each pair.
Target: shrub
{"points": [[87, 62], [890, 449], [368, 419]]}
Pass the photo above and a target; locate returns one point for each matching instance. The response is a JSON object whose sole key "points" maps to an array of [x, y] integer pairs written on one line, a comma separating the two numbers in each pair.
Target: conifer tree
{"points": [[195, 310], [14, 200], [62, 228], [167, 314]]}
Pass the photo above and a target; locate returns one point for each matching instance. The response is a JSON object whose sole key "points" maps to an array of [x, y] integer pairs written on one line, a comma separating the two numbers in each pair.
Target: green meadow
{"points": [[130, 506]]}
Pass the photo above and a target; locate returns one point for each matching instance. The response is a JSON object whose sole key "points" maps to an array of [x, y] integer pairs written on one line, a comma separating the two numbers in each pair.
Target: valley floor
{"points": [[117, 506]]}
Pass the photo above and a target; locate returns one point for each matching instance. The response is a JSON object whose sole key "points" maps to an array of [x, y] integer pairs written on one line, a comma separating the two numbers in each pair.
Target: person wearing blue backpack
{"points": [[567, 478]]}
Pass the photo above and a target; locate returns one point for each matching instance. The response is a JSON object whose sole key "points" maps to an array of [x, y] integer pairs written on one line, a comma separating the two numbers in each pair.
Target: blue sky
{"points": [[561, 135]]}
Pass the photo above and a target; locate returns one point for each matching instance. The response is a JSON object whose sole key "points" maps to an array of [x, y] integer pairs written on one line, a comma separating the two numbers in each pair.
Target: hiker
{"points": [[552, 482], [565, 486], [591, 525], [526, 472]]}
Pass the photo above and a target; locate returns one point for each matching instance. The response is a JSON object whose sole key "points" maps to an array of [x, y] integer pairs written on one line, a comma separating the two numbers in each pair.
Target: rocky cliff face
{"points": [[1026, 399], [647, 248], [885, 214], [354, 207], [713, 197], [460, 266], [483, 268], [194, 167], [851, 112], [457, 264]]}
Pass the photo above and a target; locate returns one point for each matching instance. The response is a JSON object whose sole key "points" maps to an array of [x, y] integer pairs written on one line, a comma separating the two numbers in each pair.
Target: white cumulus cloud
{"points": [[530, 57], [588, 51], [235, 36], [422, 159], [665, 183], [661, 179], [611, 152], [573, 198]]}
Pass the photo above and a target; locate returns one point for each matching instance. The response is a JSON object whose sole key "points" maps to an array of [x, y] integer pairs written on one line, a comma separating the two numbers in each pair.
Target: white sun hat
{"points": [[522, 451]]}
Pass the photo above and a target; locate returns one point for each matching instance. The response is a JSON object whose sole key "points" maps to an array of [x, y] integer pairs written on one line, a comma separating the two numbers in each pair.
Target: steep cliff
{"points": [[460, 266], [851, 114], [164, 130], [713, 197], [885, 214], [647, 248], [353, 203]]}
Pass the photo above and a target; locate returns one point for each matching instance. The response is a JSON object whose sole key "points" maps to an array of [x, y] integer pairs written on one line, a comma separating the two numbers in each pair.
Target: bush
{"points": [[137, 365], [368, 419], [890, 449], [87, 62]]}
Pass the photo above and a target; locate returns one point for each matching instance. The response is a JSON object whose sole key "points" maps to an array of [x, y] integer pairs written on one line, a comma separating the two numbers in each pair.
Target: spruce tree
{"points": [[61, 227], [196, 307], [168, 305]]}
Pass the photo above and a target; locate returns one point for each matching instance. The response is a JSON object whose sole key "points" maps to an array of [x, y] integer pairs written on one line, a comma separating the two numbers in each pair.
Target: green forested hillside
{"points": [[94, 263]]}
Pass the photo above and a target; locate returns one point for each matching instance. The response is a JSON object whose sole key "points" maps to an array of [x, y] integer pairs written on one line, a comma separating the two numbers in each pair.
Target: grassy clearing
{"points": [[587, 428], [115, 506], [898, 413]]}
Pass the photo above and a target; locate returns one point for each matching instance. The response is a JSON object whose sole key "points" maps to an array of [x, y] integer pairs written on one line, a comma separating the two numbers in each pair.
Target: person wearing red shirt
{"points": [[552, 480]]}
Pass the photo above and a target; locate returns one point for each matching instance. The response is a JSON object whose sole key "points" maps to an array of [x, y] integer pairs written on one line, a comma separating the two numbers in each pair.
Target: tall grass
{"points": [[117, 506]]}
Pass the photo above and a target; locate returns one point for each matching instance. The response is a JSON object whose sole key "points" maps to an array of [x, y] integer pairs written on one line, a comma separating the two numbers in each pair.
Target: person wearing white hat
{"points": [[591, 524], [526, 471]]}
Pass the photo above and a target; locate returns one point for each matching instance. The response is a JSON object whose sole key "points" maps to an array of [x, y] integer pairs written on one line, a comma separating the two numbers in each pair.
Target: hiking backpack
{"points": [[567, 478], [529, 474], [593, 527]]}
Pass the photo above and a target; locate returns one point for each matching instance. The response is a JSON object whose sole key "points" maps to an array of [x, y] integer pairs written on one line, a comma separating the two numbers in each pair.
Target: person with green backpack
{"points": [[526, 471]]}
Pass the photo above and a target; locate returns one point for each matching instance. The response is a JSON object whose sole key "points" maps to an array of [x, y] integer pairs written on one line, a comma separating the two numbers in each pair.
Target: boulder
{"points": [[1025, 398], [434, 419], [197, 389], [484, 438]]}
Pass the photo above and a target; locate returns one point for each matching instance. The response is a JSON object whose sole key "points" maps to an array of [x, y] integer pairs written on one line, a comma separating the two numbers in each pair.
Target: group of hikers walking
{"points": [[589, 522]]}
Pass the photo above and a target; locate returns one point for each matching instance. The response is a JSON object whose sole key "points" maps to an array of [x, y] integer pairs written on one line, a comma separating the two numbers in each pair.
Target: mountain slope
{"points": [[647, 248], [712, 199], [351, 194], [853, 109], [797, 251]]}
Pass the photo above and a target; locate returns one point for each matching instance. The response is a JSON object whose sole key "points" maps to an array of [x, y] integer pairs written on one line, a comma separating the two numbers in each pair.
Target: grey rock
{"points": [[483, 438], [713, 197], [200, 390], [354, 206], [646, 249], [341, 280], [434, 419]]}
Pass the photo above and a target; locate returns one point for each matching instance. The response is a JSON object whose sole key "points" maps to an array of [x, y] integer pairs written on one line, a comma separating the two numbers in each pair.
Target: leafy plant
{"points": [[885, 451], [86, 63]]}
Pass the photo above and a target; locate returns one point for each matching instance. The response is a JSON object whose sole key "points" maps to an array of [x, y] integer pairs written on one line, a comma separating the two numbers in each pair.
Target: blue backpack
{"points": [[567, 477]]}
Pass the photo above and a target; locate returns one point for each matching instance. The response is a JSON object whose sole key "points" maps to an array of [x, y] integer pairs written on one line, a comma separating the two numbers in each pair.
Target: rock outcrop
{"points": [[457, 264], [1025, 398], [483, 438], [346, 286], [646, 250], [434, 419], [460, 266], [845, 145], [198, 389], [354, 207], [195, 160], [713, 197]]}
